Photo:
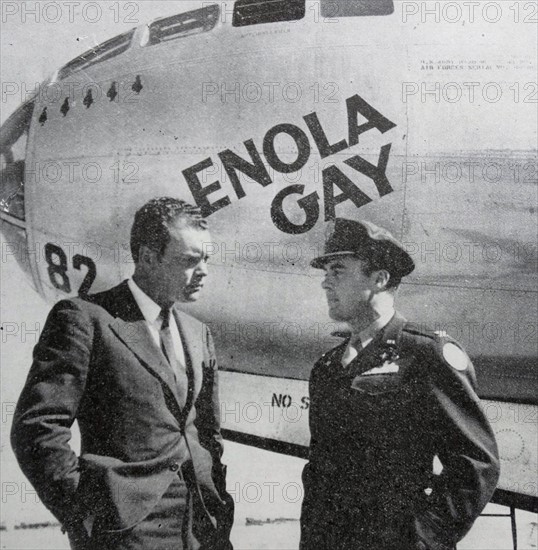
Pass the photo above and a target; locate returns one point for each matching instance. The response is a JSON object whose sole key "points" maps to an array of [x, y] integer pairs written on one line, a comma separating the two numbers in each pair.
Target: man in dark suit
{"points": [[385, 405], [140, 377]]}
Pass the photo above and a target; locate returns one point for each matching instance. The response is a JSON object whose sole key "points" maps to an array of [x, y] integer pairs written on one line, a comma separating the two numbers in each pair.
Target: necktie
{"points": [[167, 347], [352, 350], [356, 343]]}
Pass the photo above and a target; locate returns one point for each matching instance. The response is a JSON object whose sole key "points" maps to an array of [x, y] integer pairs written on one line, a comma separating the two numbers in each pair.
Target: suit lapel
{"points": [[192, 339], [130, 327]]}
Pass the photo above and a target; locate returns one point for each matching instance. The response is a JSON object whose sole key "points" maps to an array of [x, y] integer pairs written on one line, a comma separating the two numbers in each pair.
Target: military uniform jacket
{"points": [[376, 427], [96, 362]]}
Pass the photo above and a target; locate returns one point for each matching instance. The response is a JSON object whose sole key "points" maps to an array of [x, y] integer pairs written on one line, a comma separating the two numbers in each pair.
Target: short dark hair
{"points": [[151, 226], [376, 263]]}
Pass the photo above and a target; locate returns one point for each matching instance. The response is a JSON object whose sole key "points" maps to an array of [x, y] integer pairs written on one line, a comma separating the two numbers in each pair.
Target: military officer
{"points": [[385, 403]]}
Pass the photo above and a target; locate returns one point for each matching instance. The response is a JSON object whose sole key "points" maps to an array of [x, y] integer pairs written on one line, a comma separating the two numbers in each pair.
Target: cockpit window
{"points": [[356, 8], [107, 50], [256, 12], [184, 24], [13, 139]]}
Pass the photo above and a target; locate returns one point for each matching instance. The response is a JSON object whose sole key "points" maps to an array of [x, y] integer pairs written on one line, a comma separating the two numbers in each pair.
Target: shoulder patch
{"points": [[455, 356]]}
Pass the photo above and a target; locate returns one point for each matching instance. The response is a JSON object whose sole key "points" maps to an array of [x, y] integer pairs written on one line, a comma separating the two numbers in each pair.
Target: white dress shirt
{"points": [[366, 336], [152, 314]]}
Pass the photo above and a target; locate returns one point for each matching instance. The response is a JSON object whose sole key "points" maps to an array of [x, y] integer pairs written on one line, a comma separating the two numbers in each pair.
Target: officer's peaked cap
{"points": [[365, 240]]}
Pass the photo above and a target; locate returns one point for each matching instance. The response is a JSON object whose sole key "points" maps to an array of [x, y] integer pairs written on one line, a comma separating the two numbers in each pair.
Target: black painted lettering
{"points": [[322, 143], [200, 193], [375, 173], [334, 176], [255, 170], [276, 400], [309, 204], [57, 270], [78, 262], [356, 105], [303, 148]]}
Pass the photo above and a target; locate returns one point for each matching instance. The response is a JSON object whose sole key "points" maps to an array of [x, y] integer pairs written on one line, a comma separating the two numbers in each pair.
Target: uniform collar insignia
{"points": [[389, 352]]}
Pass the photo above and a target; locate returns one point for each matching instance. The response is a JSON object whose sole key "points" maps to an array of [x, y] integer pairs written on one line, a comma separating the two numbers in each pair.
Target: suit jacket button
{"points": [[174, 467]]}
